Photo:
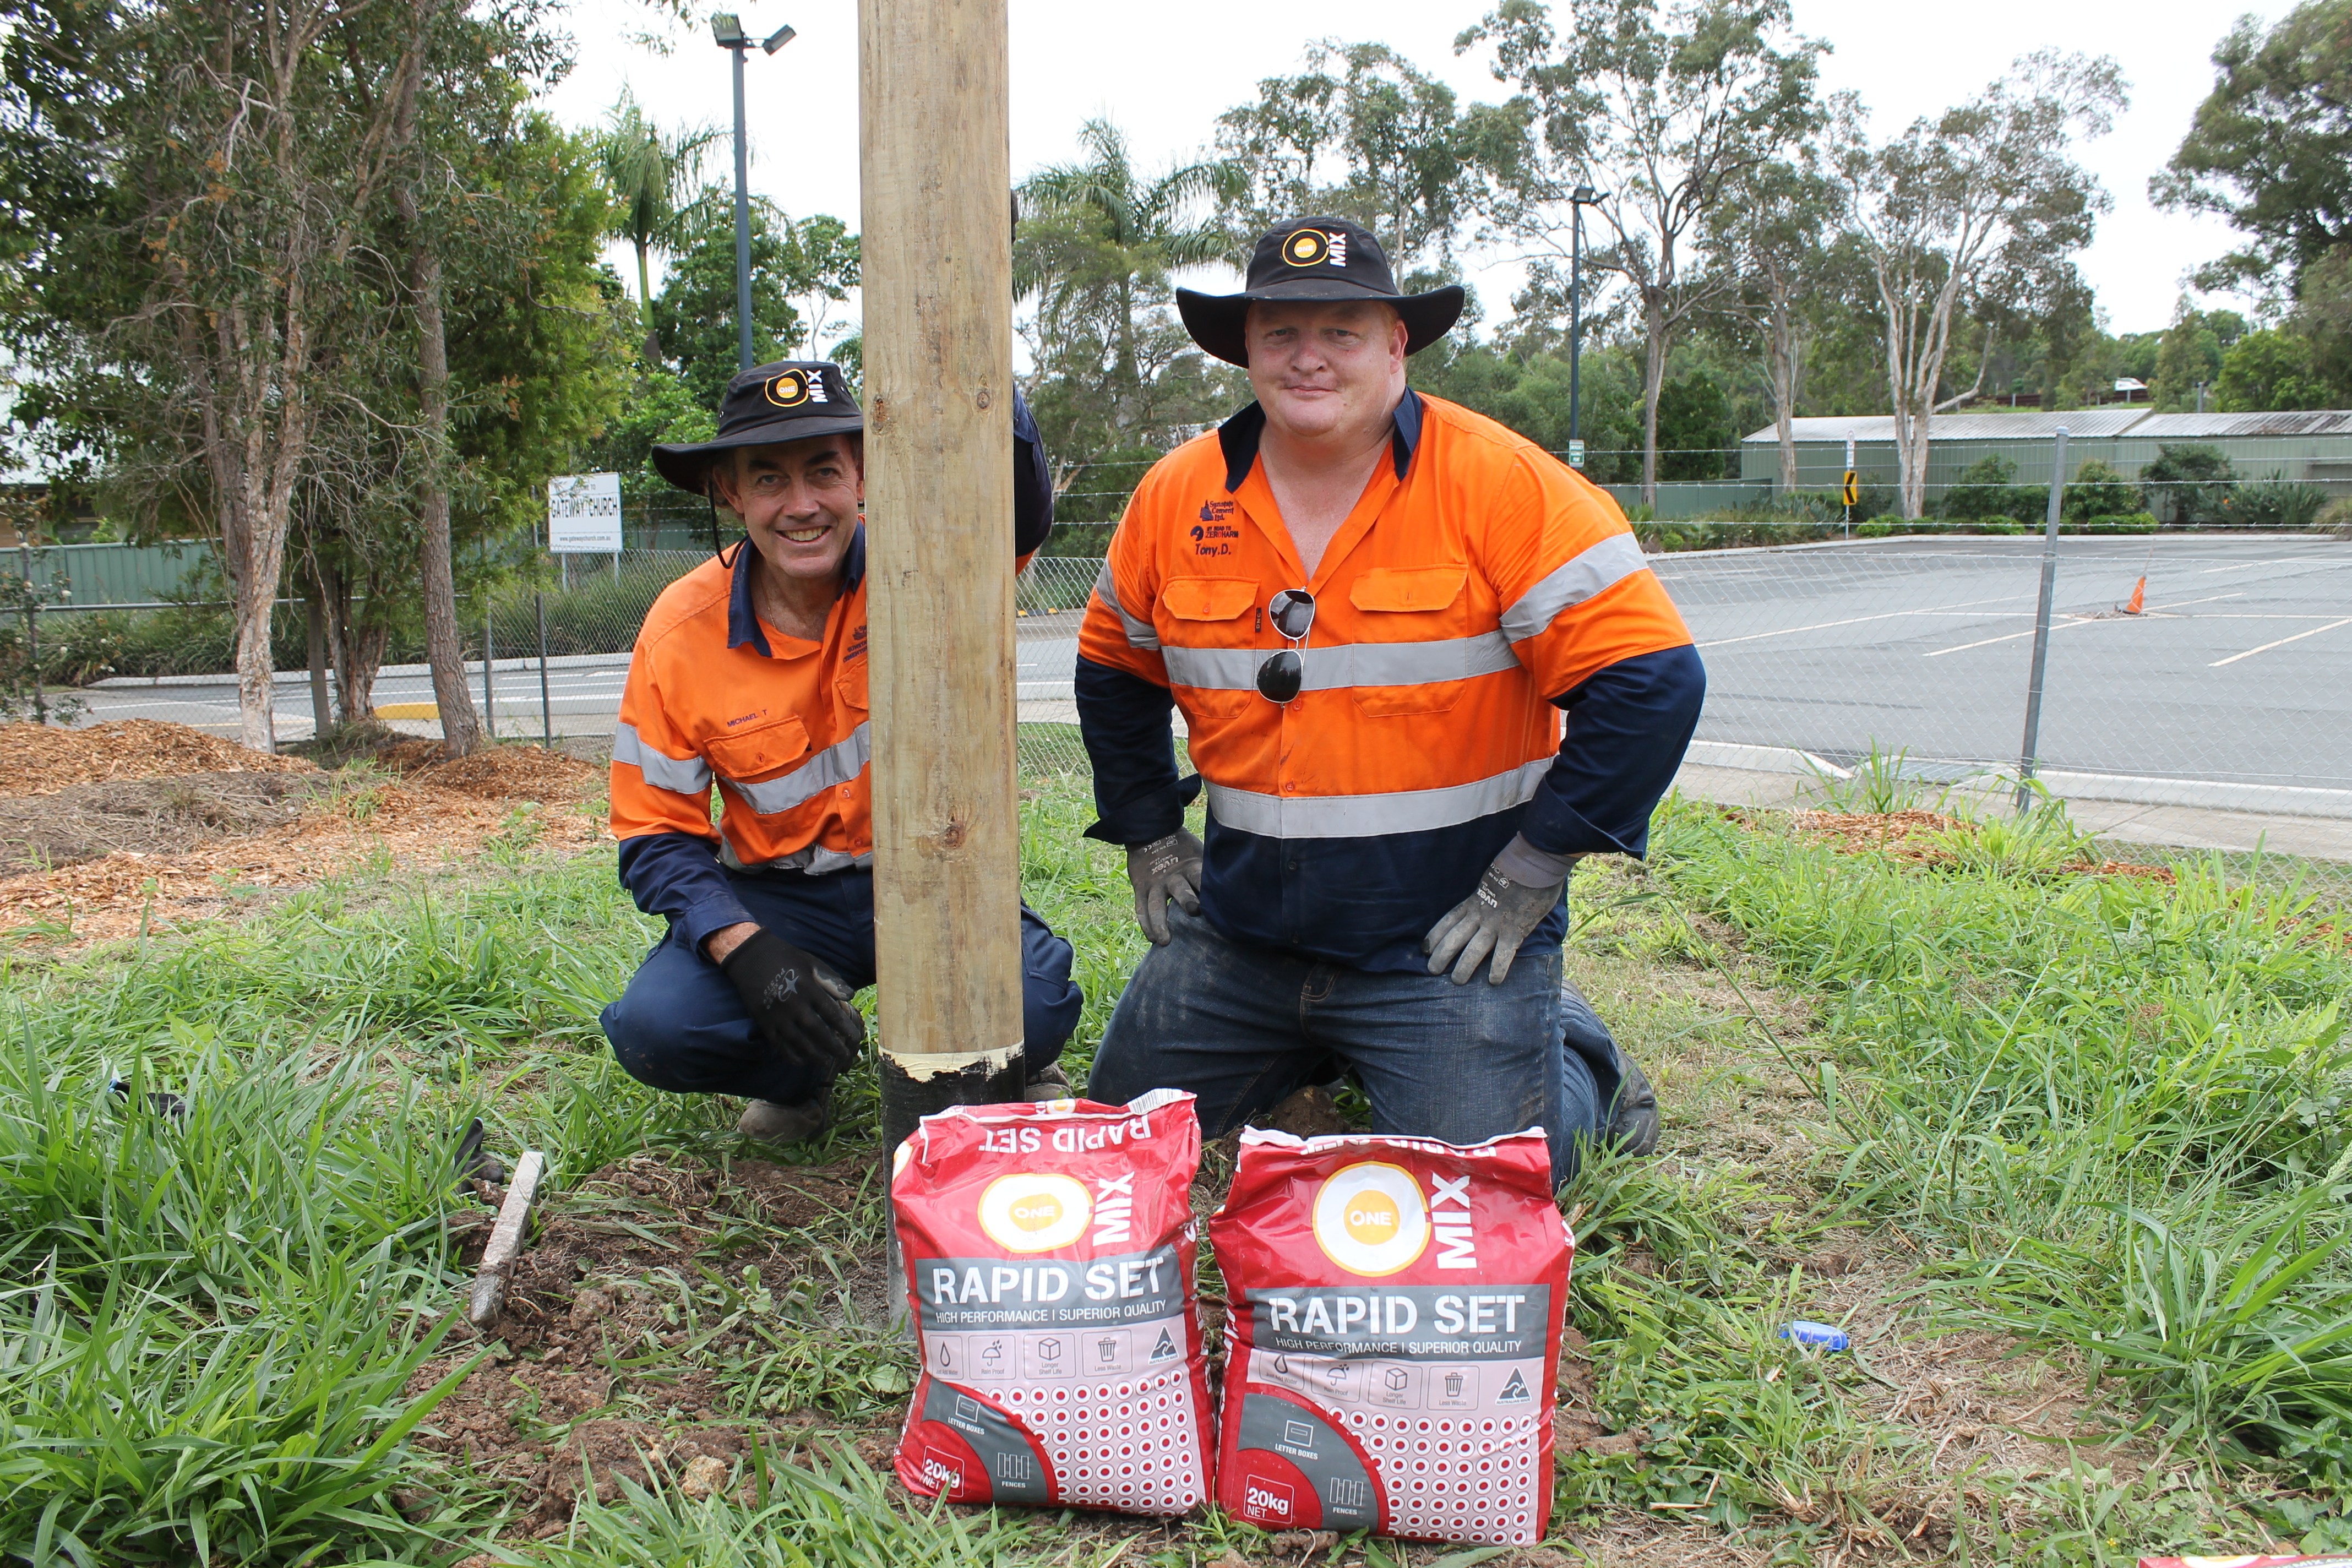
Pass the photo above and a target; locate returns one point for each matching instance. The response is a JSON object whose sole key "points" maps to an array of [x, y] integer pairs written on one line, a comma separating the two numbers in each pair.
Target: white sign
{"points": [[584, 514], [1576, 455]]}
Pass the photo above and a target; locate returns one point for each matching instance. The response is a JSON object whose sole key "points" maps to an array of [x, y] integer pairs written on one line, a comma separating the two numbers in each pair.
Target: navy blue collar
{"points": [[743, 620], [1238, 438]]}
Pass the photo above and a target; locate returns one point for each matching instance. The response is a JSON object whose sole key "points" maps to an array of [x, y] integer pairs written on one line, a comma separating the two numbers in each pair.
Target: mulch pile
{"points": [[38, 759], [124, 828], [1913, 836]]}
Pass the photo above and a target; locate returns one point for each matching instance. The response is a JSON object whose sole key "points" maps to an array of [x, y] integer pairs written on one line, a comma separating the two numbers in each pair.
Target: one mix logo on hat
{"points": [[1370, 1220], [1034, 1211], [1313, 246], [795, 387]]}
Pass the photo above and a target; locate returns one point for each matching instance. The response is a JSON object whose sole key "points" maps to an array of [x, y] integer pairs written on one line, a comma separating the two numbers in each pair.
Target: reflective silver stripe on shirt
{"points": [[836, 765], [1372, 815], [1139, 634], [1600, 566], [681, 776], [817, 860], [1350, 664]]}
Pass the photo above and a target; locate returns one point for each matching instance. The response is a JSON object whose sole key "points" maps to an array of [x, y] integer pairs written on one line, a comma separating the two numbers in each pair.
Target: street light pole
{"points": [[742, 223], [728, 28], [1583, 197]]}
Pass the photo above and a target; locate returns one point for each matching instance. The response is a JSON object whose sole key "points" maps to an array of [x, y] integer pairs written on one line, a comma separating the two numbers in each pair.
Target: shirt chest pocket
{"points": [[1208, 646], [754, 753], [1415, 655]]}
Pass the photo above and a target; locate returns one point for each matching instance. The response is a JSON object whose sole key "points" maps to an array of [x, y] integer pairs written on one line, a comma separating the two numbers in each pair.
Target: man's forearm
{"points": [[1628, 727], [725, 940], [1130, 743]]}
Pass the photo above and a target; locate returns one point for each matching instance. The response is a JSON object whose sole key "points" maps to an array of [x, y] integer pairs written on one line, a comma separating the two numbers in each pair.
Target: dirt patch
{"points": [[1893, 833], [145, 817], [510, 773], [558, 1405], [38, 759], [143, 851]]}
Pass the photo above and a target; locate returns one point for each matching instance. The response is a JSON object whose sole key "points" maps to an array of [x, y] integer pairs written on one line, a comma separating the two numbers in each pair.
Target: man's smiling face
{"points": [[1326, 367], [799, 501]]}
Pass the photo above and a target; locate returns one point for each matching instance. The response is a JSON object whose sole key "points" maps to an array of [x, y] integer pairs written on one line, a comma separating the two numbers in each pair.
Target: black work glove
{"points": [[799, 1006], [1511, 899], [1162, 869]]}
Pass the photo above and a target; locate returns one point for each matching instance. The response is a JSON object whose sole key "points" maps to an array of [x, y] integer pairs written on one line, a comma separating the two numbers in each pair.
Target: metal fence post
{"points": [[32, 627], [2042, 624], [546, 713]]}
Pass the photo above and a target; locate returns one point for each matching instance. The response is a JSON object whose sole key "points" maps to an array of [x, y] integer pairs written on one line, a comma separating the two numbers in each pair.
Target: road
{"points": [[2240, 670]]}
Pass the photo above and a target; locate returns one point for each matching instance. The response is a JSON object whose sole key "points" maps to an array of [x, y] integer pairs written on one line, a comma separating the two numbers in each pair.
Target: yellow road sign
{"points": [[1853, 488]]}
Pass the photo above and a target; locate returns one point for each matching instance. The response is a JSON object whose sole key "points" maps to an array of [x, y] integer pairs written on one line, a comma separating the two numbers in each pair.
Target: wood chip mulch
{"points": [[445, 814]]}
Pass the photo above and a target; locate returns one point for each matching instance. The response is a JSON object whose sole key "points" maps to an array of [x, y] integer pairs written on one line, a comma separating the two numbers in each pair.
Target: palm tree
{"points": [[649, 172], [1097, 233]]}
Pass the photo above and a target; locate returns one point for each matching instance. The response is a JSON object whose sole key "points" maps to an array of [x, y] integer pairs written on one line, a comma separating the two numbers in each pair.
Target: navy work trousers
{"points": [[680, 1026], [1242, 1027]]}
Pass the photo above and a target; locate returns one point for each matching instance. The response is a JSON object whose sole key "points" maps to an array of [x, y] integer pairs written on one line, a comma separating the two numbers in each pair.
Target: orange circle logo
{"points": [[1035, 1213], [790, 389], [1373, 1217], [1306, 248]]}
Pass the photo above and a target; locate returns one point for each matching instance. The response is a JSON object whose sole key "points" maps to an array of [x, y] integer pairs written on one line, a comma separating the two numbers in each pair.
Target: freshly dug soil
{"points": [[39, 759], [146, 816], [589, 1295]]}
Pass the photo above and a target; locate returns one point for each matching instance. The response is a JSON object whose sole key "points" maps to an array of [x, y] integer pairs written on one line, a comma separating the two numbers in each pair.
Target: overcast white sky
{"points": [[1164, 73]]}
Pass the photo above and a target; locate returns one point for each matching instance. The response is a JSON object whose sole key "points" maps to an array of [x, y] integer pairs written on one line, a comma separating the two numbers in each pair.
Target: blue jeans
{"points": [[680, 1026], [1242, 1027]]}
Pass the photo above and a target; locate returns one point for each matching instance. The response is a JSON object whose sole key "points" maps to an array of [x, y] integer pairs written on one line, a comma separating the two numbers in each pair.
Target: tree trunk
{"points": [[461, 727], [1653, 381], [314, 626], [1783, 352], [645, 306]]}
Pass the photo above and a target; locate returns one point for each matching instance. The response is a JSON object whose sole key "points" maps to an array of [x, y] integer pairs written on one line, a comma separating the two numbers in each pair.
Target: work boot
{"points": [[769, 1122], [1633, 1117], [1049, 1082]]}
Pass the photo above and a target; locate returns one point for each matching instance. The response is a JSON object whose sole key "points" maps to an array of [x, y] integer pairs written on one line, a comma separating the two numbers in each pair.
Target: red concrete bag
{"points": [[1050, 1252], [1394, 1335]]}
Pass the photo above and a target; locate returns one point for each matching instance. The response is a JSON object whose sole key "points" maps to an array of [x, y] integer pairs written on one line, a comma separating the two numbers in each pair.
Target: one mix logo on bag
{"points": [[1035, 1211], [1370, 1220]]}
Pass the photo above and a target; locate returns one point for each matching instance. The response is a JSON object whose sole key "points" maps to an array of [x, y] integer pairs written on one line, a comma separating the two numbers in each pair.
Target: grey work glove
{"points": [[1511, 899], [1162, 869]]}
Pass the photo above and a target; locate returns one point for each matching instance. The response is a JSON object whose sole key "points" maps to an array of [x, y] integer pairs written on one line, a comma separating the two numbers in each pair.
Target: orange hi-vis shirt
{"points": [[778, 723], [1477, 584]]}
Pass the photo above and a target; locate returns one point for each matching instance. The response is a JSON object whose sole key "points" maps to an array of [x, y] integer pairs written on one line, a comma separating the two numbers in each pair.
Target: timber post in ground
{"points": [[936, 165]]}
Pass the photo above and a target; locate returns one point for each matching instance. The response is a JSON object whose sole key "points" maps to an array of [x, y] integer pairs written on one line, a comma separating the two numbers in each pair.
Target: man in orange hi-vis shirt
{"points": [[749, 674], [1373, 608]]}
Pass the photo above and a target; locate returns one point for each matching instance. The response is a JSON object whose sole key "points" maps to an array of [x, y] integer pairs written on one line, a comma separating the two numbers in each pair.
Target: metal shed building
{"points": [[2315, 448]]}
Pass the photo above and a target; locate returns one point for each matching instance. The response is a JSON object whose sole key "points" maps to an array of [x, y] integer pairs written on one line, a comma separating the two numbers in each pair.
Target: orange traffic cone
{"points": [[2139, 598]]}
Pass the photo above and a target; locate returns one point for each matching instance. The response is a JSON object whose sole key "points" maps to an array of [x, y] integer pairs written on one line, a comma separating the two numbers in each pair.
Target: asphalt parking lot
{"points": [[2239, 670]]}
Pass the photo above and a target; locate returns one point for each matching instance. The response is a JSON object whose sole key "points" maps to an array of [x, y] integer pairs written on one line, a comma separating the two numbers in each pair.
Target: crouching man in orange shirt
{"points": [[749, 674]]}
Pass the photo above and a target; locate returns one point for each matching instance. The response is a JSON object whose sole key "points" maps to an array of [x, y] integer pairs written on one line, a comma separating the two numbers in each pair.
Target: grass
{"points": [[2031, 1136]]}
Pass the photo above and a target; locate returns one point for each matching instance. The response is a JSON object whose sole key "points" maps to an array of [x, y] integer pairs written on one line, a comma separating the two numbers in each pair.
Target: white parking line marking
{"points": [[2062, 625], [1889, 615], [2280, 643]]}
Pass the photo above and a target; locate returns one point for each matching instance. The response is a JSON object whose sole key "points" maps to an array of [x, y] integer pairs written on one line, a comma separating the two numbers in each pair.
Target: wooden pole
{"points": [[937, 266]]}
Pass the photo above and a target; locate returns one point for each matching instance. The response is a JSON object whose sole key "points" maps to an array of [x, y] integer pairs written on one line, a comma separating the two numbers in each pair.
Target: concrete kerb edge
{"points": [[2283, 800], [302, 676]]}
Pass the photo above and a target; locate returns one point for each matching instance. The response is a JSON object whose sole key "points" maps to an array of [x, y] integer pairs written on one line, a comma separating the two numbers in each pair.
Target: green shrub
{"points": [[2336, 519], [2186, 483], [2127, 522], [1984, 490], [1997, 525], [2098, 490], [2273, 503]]}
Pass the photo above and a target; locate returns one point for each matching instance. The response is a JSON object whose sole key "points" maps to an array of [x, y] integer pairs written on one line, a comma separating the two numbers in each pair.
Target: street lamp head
{"points": [[728, 28], [777, 39], [1585, 195]]}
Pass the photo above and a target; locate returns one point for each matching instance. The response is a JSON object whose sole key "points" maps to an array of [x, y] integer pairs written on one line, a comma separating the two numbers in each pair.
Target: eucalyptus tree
{"points": [[1967, 210], [1667, 108], [1363, 133], [1780, 242]]}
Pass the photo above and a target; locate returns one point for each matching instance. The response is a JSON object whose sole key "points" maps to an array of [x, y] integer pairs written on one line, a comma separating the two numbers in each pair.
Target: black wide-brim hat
{"points": [[791, 400], [1315, 258]]}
